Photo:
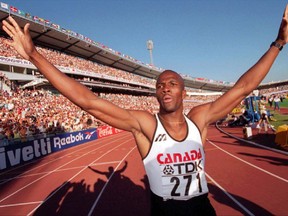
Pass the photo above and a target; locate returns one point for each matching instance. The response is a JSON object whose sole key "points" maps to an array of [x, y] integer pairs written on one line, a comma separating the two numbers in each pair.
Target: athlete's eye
{"points": [[158, 86]]}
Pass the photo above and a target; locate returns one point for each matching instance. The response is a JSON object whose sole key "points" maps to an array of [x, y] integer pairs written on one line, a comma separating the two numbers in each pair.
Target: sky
{"points": [[213, 39]]}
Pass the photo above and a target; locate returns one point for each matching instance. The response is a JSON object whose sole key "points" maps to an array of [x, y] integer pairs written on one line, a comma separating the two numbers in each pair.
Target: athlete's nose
{"points": [[166, 89]]}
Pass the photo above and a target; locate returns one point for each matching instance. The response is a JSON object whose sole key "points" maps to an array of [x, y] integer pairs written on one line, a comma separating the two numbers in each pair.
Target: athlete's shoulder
{"points": [[147, 121], [143, 115], [199, 115]]}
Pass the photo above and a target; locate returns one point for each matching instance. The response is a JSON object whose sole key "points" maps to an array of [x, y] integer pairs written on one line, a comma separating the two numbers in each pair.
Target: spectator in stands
{"points": [[165, 134], [264, 122], [282, 98], [270, 100], [262, 104], [23, 133], [3, 139], [276, 101]]}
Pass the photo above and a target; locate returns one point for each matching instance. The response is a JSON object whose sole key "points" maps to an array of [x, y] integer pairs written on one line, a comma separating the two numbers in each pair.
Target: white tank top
{"points": [[176, 169]]}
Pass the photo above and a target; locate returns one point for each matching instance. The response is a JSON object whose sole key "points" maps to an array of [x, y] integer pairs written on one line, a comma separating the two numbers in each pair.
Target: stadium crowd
{"points": [[25, 114]]}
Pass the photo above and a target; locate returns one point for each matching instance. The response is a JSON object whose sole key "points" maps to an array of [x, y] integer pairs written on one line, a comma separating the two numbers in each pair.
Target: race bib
{"points": [[183, 180]]}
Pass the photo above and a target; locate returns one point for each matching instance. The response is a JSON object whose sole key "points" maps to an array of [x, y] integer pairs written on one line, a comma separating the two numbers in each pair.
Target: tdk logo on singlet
{"points": [[161, 137], [168, 170]]}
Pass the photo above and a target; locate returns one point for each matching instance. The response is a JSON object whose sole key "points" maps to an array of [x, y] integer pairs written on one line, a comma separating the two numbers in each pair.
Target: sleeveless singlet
{"points": [[175, 169]]}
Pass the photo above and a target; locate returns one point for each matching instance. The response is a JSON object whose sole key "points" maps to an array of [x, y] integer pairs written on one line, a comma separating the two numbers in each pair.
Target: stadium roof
{"points": [[78, 45], [53, 36]]}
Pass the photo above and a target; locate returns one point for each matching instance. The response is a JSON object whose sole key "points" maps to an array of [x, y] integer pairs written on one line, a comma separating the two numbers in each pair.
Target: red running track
{"points": [[106, 177]]}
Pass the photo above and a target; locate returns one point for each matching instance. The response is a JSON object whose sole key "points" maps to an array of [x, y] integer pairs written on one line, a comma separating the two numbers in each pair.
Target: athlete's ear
{"points": [[183, 94]]}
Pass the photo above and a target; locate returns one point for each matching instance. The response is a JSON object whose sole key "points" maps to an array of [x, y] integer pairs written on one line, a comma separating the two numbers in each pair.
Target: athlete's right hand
{"points": [[21, 38]]}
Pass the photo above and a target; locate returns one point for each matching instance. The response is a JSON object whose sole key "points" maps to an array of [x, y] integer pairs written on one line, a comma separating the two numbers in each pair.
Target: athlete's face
{"points": [[170, 91]]}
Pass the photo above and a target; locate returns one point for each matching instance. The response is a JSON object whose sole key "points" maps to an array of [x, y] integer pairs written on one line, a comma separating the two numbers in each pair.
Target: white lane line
{"points": [[20, 204], [252, 165], [107, 182], [105, 163], [230, 196], [61, 170]]}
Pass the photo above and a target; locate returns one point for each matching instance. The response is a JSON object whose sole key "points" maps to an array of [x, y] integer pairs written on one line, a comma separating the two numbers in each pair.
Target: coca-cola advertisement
{"points": [[107, 130]]}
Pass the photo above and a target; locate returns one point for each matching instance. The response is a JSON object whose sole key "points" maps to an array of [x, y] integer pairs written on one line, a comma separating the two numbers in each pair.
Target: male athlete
{"points": [[170, 143]]}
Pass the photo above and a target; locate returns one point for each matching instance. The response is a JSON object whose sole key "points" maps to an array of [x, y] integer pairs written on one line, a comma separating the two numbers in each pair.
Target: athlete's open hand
{"points": [[283, 30], [21, 39]]}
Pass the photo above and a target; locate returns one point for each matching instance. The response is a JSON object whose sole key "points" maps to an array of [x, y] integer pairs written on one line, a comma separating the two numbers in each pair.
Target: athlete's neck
{"points": [[170, 121]]}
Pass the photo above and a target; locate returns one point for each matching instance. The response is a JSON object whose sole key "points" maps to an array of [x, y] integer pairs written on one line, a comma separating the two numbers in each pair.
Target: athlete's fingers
{"points": [[15, 24], [7, 30]]}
